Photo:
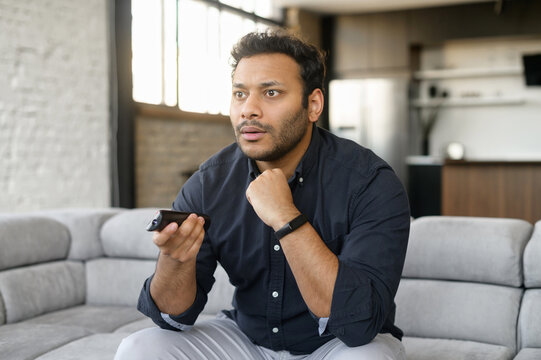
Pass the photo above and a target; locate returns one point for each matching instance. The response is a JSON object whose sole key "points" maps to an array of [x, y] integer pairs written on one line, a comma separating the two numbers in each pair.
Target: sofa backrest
{"points": [[27, 240], [129, 258], [485, 250], [39, 289], [462, 279], [532, 259], [84, 225], [221, 295], [124, 235], [529, 325], [32, 279]]}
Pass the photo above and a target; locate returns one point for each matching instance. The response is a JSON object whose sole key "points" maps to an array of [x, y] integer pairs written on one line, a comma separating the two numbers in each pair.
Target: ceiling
{"points": [[363, 6]]}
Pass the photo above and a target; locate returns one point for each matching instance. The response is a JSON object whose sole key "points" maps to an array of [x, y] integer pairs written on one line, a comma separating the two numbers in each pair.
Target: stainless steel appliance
{"points": [[374, 113]]}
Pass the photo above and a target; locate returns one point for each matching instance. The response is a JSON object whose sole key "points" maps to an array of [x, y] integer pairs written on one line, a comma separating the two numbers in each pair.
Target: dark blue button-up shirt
{"points": [[353, 200]]}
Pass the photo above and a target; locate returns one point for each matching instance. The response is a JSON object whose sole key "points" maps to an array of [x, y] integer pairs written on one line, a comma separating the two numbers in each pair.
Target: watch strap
{"points": [[291, 226]]}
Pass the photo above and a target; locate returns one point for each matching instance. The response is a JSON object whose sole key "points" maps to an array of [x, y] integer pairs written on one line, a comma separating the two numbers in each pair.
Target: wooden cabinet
{"points": [[492, 189], [370, 42]]}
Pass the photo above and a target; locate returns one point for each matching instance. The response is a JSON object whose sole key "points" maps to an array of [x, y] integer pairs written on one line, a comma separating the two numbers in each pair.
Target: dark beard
{"points": [[291, 134]]}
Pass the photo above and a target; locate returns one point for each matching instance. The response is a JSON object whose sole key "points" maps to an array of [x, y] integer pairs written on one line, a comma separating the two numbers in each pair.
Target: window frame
{"points": [[174, 111]]}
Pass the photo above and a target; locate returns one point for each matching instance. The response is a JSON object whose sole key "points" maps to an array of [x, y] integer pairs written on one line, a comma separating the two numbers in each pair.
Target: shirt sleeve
{"points": [[182, 321], [371, 260], [188, 199]]}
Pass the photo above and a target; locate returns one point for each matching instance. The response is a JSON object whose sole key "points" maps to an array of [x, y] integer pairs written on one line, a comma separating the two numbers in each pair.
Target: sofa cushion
{"points": [[94, 347], [124, 235], [458, 310], [24, 341], [532, 256], [528, 354], [116, 281], [2, 311], [48, 239], [136, 326], [84, 226], [38, 289], [487, 250], [95, 319], [529, 324], [445, 349], [220, 296]]}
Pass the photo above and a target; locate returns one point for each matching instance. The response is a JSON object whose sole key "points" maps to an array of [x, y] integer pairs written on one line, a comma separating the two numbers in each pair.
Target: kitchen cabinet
{"points": [[492, 189], [371, 42]]}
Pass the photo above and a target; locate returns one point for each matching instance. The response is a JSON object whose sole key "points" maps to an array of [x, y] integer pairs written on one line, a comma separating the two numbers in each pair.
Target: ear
{"points": [[315, 105]]}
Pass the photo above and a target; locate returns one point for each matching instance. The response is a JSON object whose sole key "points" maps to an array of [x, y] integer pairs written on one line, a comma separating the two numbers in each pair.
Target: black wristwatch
{"points": [[291, 226]]}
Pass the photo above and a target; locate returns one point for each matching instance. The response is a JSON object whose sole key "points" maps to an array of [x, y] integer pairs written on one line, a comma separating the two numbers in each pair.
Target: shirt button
{"points": [[275, 330], [275, 294], [276, 247], [301, 180]]}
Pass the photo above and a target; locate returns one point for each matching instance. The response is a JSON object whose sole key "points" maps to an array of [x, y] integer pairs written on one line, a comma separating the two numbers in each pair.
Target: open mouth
{"points": [[252, 133]]}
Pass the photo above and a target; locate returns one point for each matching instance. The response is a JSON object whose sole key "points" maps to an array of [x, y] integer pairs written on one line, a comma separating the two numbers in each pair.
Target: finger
{"points": [[184, 254], [188, 226], [161, 237], [190, 246], [189, 231], [194, 250], [173, 230]]}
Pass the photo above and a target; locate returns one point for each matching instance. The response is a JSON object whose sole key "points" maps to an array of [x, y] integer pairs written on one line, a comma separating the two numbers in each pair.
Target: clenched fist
{"points": [[271, 198]]}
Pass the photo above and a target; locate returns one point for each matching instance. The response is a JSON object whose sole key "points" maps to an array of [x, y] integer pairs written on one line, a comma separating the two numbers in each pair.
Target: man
{"points": [[311, 229]]}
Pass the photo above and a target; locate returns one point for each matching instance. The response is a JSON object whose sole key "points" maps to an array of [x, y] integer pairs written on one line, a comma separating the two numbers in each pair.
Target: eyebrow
{"points": [[262, 85]]}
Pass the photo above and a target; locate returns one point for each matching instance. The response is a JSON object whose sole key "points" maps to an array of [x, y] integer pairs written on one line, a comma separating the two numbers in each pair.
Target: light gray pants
{"points": [[221, 339]]}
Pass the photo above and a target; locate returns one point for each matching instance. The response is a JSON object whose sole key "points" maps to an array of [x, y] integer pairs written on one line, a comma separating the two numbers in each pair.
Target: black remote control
{"points": [[166, 217]]}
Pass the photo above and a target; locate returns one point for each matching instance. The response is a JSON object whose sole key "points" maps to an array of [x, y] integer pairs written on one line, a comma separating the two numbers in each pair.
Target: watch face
{"points": [[455, 151]]}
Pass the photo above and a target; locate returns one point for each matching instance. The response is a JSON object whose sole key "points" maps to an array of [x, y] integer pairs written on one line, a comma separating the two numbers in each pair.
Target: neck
{"points": [[291, 160]]}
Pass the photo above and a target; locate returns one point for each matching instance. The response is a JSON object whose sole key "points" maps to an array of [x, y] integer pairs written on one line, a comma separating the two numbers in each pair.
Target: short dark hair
{"points": [[310, 59]]}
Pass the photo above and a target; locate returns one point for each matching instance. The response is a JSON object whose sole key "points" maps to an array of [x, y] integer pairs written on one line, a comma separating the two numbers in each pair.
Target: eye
{"points": [[272, 93], [239, 95]]}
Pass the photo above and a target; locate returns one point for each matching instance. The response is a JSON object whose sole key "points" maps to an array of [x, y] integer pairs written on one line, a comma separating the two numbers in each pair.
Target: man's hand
{"points": [[173, 287], [271, 198], [181, 243]]}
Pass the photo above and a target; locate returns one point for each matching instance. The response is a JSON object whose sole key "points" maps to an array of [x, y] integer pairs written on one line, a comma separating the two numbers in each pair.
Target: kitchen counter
{"points": [[492, 188]]}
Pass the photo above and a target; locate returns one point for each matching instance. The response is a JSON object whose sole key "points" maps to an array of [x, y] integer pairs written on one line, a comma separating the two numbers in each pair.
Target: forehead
{"points": [[267, 67]]}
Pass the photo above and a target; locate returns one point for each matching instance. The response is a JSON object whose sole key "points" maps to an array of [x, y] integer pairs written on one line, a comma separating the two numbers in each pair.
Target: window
{"points": [[181, 49]]}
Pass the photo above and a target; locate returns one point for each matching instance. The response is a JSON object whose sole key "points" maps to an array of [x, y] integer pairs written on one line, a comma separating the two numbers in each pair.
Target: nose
{"points": [[251, 108]]}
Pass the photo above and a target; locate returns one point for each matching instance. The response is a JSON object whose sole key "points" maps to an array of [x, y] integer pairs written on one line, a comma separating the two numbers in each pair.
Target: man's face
{"points": [[266, 106]]}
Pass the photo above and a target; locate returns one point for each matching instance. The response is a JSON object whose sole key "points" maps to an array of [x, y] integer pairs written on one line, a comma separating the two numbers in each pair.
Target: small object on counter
{"points": [[455, 151]]}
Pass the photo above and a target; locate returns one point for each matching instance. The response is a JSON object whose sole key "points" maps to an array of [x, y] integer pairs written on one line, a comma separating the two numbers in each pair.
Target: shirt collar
{"points": [[253, 169], [307, 162]]}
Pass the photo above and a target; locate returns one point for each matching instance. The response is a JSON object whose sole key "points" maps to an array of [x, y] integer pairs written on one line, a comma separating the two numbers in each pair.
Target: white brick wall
{"points": [[54, 104]]}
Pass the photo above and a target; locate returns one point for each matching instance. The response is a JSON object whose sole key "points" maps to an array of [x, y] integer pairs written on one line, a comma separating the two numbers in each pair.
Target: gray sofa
{"points": [[70, 279], [69, 282], [471, 289]]}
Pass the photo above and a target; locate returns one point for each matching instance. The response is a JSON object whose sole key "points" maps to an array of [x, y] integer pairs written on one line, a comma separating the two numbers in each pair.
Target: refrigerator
{"points": [[373, 112]]}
